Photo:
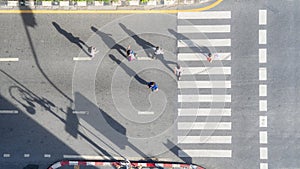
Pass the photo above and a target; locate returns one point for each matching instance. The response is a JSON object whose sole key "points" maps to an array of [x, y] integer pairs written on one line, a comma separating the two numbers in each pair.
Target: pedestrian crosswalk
{"points": [[204, 113]]}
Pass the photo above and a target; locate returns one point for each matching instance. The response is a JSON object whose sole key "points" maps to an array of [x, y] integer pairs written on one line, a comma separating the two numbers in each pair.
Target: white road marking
{"points": [[262, 90], [145, 112], [262, 17], [204, 98], [263, 137], [262, 37], [206, 70], [204, 153], [204, 84], [47, 155], [262, 55], [204, 125], [263, 151], [82, 58], [203, 42], [205, 15], [204, 112], [9, 59], [263, 121], [9, 111], [263, 105], [263, 165], [203, 28], [200, 56], [6, 155], [94, 157], [80, 112], [144, 58], [204, 139], [26, 155], [262, 73]]}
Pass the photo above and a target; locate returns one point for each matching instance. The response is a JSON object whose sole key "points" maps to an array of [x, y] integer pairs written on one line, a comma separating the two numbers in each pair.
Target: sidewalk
{"points": [[104, 4]]}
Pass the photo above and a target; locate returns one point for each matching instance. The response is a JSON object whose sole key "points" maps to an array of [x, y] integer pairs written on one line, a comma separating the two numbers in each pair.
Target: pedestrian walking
{"points": [[158, 51], [93, 51], [208, 57], [153, 86], [178, 71], [131, 55]]}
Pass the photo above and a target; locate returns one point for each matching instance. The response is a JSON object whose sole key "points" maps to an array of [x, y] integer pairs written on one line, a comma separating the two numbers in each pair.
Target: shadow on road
{"points": [[110, 42], [128, 70], [175, 149], [197, 49], [147, 46], [71, 38]]}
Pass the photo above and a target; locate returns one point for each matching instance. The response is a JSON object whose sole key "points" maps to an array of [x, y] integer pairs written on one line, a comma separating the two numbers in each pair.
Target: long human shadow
{"points": [[196, 49], [71, 37], [110, 42], [147, 46], [29, 21], [128, 70], [72, 122]]}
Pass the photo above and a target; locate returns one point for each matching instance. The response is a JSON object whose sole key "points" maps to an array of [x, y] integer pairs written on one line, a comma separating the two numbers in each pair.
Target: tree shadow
{"points": [[71, 38], [30, 21], [128, 70], [110, 42], [147, 46], [72, 122]]}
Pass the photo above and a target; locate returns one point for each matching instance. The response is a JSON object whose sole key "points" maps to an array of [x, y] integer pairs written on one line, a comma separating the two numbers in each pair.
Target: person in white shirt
{"points": [[178, 71]]}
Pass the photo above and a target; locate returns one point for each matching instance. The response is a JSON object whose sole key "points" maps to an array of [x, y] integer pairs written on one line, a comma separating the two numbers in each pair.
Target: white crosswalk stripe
{"points": [[196, 74]]}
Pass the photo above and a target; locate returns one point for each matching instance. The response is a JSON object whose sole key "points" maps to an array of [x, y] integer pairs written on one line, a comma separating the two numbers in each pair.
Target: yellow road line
{"points": [[109, 11]]}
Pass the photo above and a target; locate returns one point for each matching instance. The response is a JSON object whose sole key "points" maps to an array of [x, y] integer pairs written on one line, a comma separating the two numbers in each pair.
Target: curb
{"points": [[173, 6], [119, 163]]}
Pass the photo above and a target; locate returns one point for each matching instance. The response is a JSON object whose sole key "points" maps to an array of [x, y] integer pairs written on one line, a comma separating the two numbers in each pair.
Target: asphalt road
{"points": [[53, 107]]}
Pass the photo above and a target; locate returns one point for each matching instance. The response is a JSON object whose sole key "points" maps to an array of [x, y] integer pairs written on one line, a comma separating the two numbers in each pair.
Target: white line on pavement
{"points": [[263, 165], [204, 125], [26, 155], [82, 58], [262, 73], [262, 90], [262, 36], [203, 28], [145, 112], [6, 155], [204, 112], [204, 98], [263, 121], [47, 155], [263, 151], [204, 139], [263, 137], [200, 56], [144, 58], [203, 42], [262, 17], [263, 105], [204, 153], [262, 55], [9, 59], [80, 112], [206, 70], [9, 111], [205, 15], [204, 84]]}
